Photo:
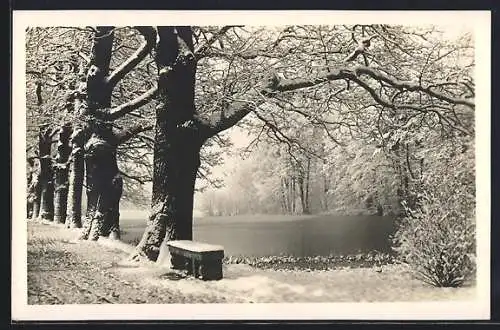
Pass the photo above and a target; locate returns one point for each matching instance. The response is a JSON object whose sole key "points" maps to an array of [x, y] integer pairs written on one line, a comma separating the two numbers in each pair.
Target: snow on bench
{"points": [[199, 259]]}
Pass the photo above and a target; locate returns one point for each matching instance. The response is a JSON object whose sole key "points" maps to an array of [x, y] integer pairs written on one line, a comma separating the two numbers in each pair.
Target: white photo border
{"points": [[478, 308]]}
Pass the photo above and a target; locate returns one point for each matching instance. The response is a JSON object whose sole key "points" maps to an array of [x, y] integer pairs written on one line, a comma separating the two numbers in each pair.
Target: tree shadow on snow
{"points": [[173, 276]]}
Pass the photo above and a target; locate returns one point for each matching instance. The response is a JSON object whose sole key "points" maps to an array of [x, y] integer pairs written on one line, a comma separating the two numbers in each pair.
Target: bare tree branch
{"points": [[200, 51], [149, 34], [141, 180], [239, 108], [127, 107], [129, 132], [232, 114], [411, 86], [84, 57]]}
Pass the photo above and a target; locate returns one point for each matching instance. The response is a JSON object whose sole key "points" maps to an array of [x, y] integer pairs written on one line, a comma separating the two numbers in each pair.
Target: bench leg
{"points": [[188, 267], [192, 267], [211, 270], [195, 266]]}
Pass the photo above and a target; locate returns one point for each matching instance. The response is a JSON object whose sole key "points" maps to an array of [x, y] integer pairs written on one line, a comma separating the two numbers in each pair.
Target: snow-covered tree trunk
{"points": [[33, 193], [98, 142], [104, 188], [61, 174], [177, 144], [34, 190], [75, 180], [102, 174], [112, 216], [46, 175]]}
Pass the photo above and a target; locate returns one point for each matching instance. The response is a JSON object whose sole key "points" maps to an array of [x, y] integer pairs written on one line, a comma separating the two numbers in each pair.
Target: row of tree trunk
{"points": [[86, 149], [56, 183], [180, 132], [93, 144]]}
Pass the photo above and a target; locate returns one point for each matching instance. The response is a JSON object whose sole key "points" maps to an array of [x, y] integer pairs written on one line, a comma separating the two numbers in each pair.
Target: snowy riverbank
{"points": [[62, 270]]}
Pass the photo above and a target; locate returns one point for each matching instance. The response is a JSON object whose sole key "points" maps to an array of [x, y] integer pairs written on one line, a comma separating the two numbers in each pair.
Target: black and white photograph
{"points": [[292, 165]]}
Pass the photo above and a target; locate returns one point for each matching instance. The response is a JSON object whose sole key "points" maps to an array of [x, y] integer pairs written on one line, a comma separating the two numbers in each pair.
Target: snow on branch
{"points": [[283, 85], [200, 51], [130, 106], [239, 108], [247, 55], [412, 87], [280, 136], [149, 35], [232, 113]]}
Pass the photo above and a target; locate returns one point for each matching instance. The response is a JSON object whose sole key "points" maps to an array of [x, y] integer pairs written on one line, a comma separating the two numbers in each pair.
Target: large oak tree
{"points": [[237, 72]]}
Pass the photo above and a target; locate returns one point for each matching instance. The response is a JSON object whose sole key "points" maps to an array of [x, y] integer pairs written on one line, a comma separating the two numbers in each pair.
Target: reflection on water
{"points": [[275, 235]]}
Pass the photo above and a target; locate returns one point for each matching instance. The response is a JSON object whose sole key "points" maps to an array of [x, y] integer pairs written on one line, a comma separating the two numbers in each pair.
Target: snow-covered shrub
{"points": [[437, 238]]}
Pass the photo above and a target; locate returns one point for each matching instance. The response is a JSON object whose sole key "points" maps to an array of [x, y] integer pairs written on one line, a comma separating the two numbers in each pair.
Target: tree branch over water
{"points": [[241, 106]]}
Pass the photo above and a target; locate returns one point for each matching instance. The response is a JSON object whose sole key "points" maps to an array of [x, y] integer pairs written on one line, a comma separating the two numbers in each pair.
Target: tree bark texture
{"points": [[76, 158], [177, 144], [104, 184], [61, 174], [112, 217], [75, 180], [104, 188], [34, 191], [46, 175], [29, 179]]}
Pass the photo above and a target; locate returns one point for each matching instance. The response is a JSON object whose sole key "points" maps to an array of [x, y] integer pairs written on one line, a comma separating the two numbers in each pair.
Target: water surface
{"points": [[277, 234]]}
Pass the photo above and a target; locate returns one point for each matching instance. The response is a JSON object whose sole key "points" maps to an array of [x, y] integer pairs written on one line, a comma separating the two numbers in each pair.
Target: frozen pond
{"points": [[277, 234]]}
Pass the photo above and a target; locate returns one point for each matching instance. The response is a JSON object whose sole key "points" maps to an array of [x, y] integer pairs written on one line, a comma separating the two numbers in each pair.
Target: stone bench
{"points": [[198, 259]]}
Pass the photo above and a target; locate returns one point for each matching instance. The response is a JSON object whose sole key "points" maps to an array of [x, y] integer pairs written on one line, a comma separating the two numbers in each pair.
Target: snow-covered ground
{"points": [[98, 272]]}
